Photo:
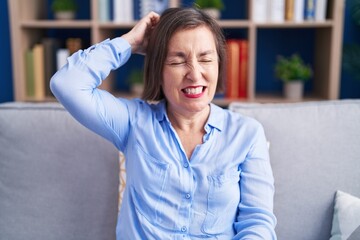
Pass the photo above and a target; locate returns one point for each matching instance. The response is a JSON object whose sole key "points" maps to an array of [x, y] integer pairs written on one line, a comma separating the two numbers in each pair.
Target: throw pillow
{"points": [[122, 178], [346, 219]]}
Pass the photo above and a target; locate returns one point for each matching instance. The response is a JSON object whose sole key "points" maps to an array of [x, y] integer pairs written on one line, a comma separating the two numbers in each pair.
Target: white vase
{"points": [[65, 15], [137, 89], [293, 90], [213, 12]]}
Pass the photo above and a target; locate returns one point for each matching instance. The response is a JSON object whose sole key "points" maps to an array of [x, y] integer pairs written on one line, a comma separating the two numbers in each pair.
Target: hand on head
{"points": [[139, 35]]}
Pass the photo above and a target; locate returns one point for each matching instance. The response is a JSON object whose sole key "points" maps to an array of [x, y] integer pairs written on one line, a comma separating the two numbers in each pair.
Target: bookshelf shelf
{"points": [[29, 25], [111, 25], [324, 24], [234, 23], [56, 24]]}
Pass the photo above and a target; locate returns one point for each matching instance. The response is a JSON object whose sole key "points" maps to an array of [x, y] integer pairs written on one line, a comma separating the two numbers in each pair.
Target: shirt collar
{"points": [[216, 118]]}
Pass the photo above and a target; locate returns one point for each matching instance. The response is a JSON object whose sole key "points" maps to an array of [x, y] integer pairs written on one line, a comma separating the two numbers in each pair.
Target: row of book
{"points": [[42, 61], [288, 10], [127, 11], [237, 68]]}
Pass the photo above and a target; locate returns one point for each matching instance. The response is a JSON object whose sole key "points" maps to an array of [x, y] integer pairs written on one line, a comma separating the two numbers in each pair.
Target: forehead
{"points": [[200, 35]]}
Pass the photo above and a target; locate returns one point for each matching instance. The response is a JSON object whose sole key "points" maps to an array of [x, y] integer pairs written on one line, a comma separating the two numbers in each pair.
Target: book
{"points": [[146, 6], [289, 10], [237, 68], [29, 71], [39, 71], [61, 57], [233, 67], [276, 10], [309, 10], [259, 11], [320, 10], [299, 10], [50, 47], [123, 11], [104, 10], [244, 66]]}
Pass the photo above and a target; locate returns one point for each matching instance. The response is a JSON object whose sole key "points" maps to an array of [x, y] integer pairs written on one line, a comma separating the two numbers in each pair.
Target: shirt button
{"points": [[187, 196], [186, 165], [183, 229]]}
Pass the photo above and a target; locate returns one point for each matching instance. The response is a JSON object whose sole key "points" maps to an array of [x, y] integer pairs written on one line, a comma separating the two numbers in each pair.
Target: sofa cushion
{"points": [[314, 152], [58, 180], [346, 221]]}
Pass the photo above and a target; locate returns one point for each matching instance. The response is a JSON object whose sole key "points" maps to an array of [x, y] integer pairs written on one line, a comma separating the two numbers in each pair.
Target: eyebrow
{"points": [[183, 55]]}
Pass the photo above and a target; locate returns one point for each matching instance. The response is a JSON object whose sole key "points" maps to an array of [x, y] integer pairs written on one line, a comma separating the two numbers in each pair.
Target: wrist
{"points": [[130, 40]]}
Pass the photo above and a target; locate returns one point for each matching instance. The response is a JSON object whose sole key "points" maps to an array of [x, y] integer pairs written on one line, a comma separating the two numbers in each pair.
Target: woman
{"points": [[194, 170]]}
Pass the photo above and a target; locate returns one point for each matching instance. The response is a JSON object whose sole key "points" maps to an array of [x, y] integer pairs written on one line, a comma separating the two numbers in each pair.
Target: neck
{"points": [[192, 122]]}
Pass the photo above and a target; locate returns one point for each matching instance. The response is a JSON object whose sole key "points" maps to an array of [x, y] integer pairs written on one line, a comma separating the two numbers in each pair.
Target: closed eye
{"points": [[207, 60], [176, 63]]}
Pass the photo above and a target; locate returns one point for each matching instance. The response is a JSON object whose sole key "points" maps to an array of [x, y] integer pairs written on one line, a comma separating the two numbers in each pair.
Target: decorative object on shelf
{"points": [[351, 51], [64, 9], [293, 72], [136, 81], [212, 7]]}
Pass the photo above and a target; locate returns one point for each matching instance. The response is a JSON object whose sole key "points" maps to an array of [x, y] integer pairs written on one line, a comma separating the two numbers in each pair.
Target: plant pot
{"points": [[137, 89], [65, 15], [293, 90], [213, 12]]}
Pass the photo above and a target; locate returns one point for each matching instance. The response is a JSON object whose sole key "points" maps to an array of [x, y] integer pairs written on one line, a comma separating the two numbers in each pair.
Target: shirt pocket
{"points": [[222, 202], [147, 186]]}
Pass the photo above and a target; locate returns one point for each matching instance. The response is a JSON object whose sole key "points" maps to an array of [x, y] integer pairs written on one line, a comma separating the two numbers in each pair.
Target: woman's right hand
{"points": [[139, 35]]}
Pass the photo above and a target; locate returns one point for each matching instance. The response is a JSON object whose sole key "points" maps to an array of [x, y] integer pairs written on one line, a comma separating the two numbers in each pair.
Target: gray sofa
{"points": [[58, 180]]}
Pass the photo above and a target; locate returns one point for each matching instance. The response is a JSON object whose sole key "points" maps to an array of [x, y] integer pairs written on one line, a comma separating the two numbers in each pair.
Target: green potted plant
{"points": [[212, 7], [351, 51], [64, 9], [136, 81], [293, 72]]}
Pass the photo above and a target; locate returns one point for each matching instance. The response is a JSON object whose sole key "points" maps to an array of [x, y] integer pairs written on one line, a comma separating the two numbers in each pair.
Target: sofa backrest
{"points": [[314, 151], [58, 180]]}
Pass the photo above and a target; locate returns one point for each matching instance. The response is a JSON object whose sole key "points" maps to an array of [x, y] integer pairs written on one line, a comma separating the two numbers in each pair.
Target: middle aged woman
{"points": [[194, 170]]}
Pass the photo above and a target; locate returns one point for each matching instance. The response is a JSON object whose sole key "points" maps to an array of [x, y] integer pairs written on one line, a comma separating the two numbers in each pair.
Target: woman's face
{"points": [[191, 71]]}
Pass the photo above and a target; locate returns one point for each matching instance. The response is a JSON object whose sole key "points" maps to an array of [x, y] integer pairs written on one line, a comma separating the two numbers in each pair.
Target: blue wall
{"points": [[350, 87], [6, 87]]}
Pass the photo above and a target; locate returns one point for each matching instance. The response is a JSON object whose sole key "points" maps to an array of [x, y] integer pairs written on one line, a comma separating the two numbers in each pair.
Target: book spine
{"points": [[320, 10], [161, 5], [61, 57], [259, 11], [289, 10], [243, 74], [104, 10], [29, 68], [128, 11], [146, 6], [299, 10], [277, 10], [119, 11], [50, 47], [39, 72], [310, 10]]}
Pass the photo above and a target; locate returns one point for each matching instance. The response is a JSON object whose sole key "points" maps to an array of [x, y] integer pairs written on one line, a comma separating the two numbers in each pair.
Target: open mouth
{"points": [[194, 91]]}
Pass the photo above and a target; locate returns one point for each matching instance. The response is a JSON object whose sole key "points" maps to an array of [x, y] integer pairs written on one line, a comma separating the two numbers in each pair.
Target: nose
{"points": [[194, 71]]}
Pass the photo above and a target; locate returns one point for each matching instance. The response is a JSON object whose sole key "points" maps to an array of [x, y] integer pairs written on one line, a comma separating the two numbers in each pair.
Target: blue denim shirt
{"points": [[224, 191]]}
